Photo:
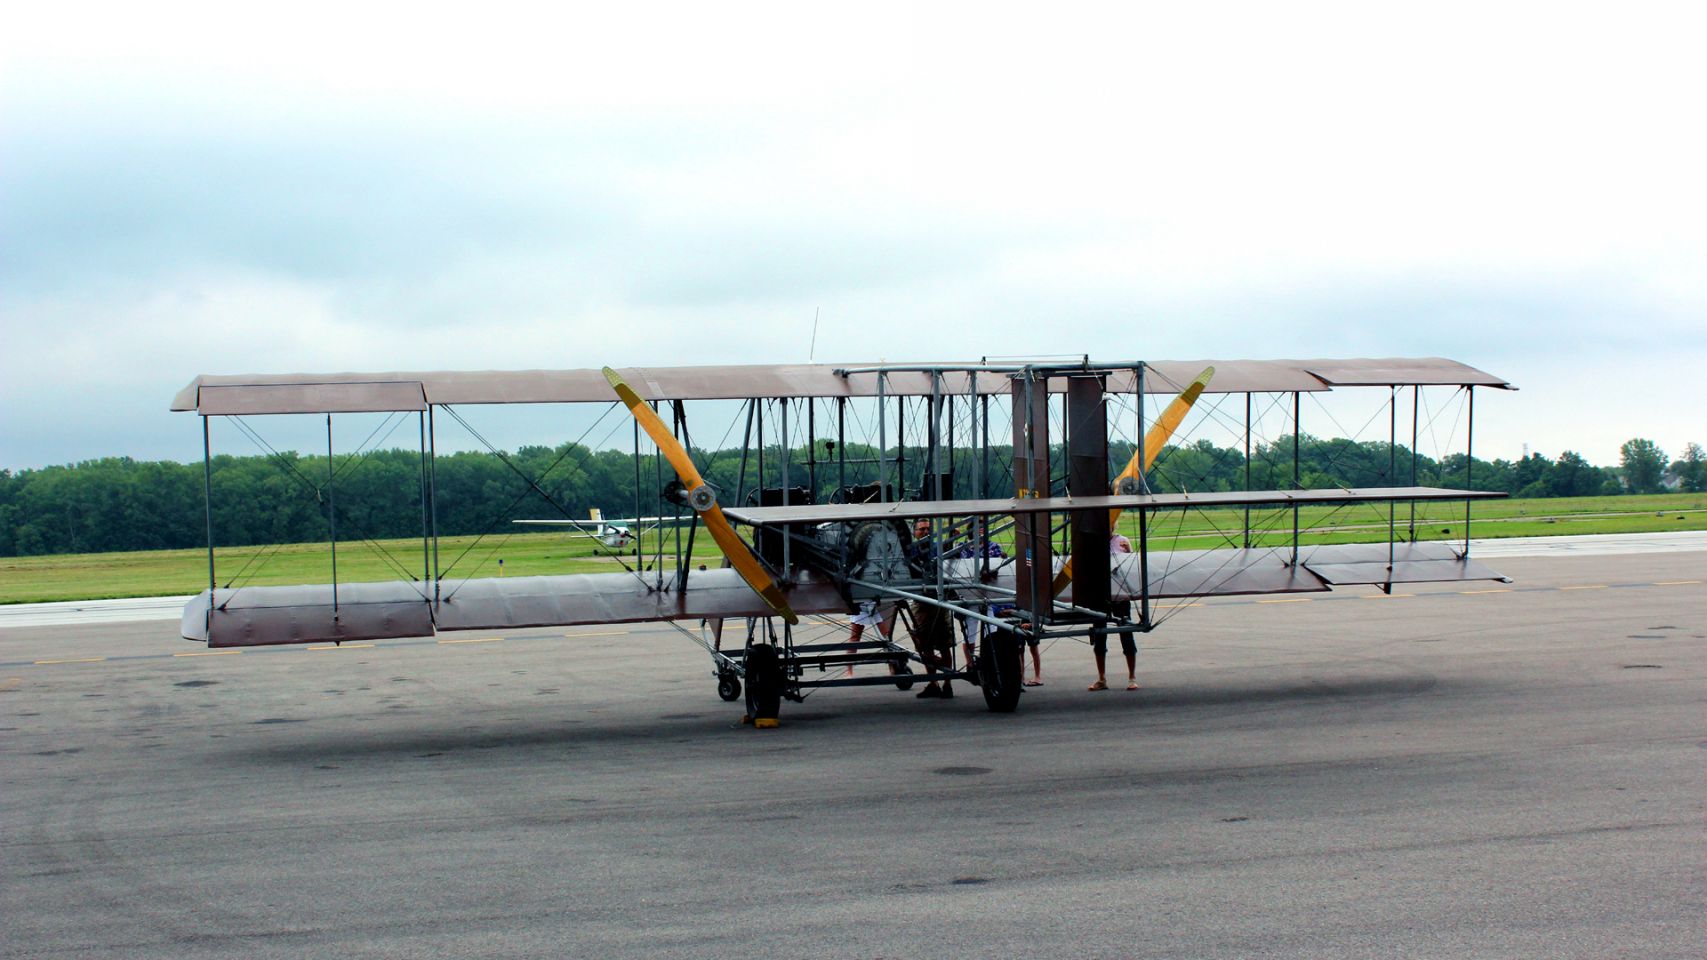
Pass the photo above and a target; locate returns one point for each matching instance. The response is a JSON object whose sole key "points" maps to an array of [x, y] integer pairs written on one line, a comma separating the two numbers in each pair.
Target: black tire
{"points": [[729, 687], [1000, 670], [903, 675], [764, 682]]}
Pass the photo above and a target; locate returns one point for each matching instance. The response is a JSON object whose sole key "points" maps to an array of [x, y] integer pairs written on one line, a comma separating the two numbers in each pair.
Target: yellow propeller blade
{"points": [[703, 501], [657, 430], [1154, 440]]}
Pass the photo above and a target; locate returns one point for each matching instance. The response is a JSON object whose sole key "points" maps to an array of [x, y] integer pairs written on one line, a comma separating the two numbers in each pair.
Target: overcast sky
{"points": [[192, 189]]}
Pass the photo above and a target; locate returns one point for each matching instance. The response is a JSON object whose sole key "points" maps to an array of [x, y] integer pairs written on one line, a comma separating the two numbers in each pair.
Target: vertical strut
{"points": [[948, 398], [426, 549], [787, 455], [638, 544], [882, 440], [207, 507], [933, 483], [1144, 568], [658, 490], [1469, 457], [842, 444], [1143, 469], [984, 444], [1034, 565], [680, 429], [1086, 447], [980, 429], [332, 516], [901, 447], [746, 447], [1392, 469], [433, 498], [1416, 402], [1297, 478], [1247, 467]]}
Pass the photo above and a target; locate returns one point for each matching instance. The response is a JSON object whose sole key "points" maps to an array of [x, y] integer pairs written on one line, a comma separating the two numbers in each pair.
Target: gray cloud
{"points": [[154, 235]]}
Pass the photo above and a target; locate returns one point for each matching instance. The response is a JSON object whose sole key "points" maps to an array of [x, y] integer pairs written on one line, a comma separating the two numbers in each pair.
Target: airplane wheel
{"points": [[729, 687], [1000, 670], [764, 682], [903, 675]]}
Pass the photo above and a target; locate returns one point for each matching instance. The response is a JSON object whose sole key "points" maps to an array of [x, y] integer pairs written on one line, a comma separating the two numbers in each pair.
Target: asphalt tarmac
{"points": [[1478, 770]]}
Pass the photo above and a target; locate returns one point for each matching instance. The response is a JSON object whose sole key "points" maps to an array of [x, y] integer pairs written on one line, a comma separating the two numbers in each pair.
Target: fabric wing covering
{"points": [[262, 616], [252, 394]]}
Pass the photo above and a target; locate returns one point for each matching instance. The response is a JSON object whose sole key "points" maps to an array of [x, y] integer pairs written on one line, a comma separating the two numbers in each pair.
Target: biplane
{"points": [[982, 494]]}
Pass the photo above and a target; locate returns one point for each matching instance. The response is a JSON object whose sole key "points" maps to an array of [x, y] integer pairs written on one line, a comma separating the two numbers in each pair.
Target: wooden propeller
{"points": [[703, 500]]}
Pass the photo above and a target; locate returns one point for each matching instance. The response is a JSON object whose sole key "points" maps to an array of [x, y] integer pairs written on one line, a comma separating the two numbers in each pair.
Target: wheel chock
{"points": [[766, 723]]}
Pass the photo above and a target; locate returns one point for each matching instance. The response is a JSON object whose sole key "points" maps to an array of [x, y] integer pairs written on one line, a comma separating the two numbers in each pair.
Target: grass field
{"points": [[168, 572]]}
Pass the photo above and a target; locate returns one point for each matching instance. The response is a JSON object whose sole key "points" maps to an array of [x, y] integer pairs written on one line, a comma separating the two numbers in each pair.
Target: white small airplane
{"points": [[615, 534]]}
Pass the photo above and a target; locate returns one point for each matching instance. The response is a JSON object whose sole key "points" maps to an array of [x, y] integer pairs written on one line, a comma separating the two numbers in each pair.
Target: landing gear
{"points": [[903, 675], [764, 684], [1000, 670], [729, 687]]}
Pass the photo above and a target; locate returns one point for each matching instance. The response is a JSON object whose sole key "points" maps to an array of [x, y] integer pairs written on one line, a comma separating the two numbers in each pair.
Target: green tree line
{"points": [[118, 503]]}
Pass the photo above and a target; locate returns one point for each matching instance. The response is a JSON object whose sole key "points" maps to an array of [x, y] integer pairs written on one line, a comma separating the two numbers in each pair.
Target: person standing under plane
{"points": [[867, 616], [933, 627], [1117, 545], [972, 631]]}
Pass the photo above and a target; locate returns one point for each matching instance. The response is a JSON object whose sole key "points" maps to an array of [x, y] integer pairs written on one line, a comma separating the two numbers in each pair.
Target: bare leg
{"points": [[1102, 670], [853, 637], [1131, 671]]}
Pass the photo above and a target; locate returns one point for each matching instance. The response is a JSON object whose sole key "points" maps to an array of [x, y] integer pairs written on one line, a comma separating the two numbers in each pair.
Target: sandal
{"points": [[1131, 685], [1099, 685], [1034, 683]]}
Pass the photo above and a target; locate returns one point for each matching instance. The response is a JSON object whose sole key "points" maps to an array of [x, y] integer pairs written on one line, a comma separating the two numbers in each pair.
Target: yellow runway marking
{"points": [[1673, 583], [1473, 593], [1287, 600], [11, 682], [73, 660], [475, 640], [347, 646], [209, 653], [608, 633], [1586, 586], [1386, 596]]}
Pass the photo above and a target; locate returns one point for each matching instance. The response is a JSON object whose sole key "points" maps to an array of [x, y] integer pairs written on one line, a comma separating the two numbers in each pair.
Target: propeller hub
{"points": [[702, 498]]}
